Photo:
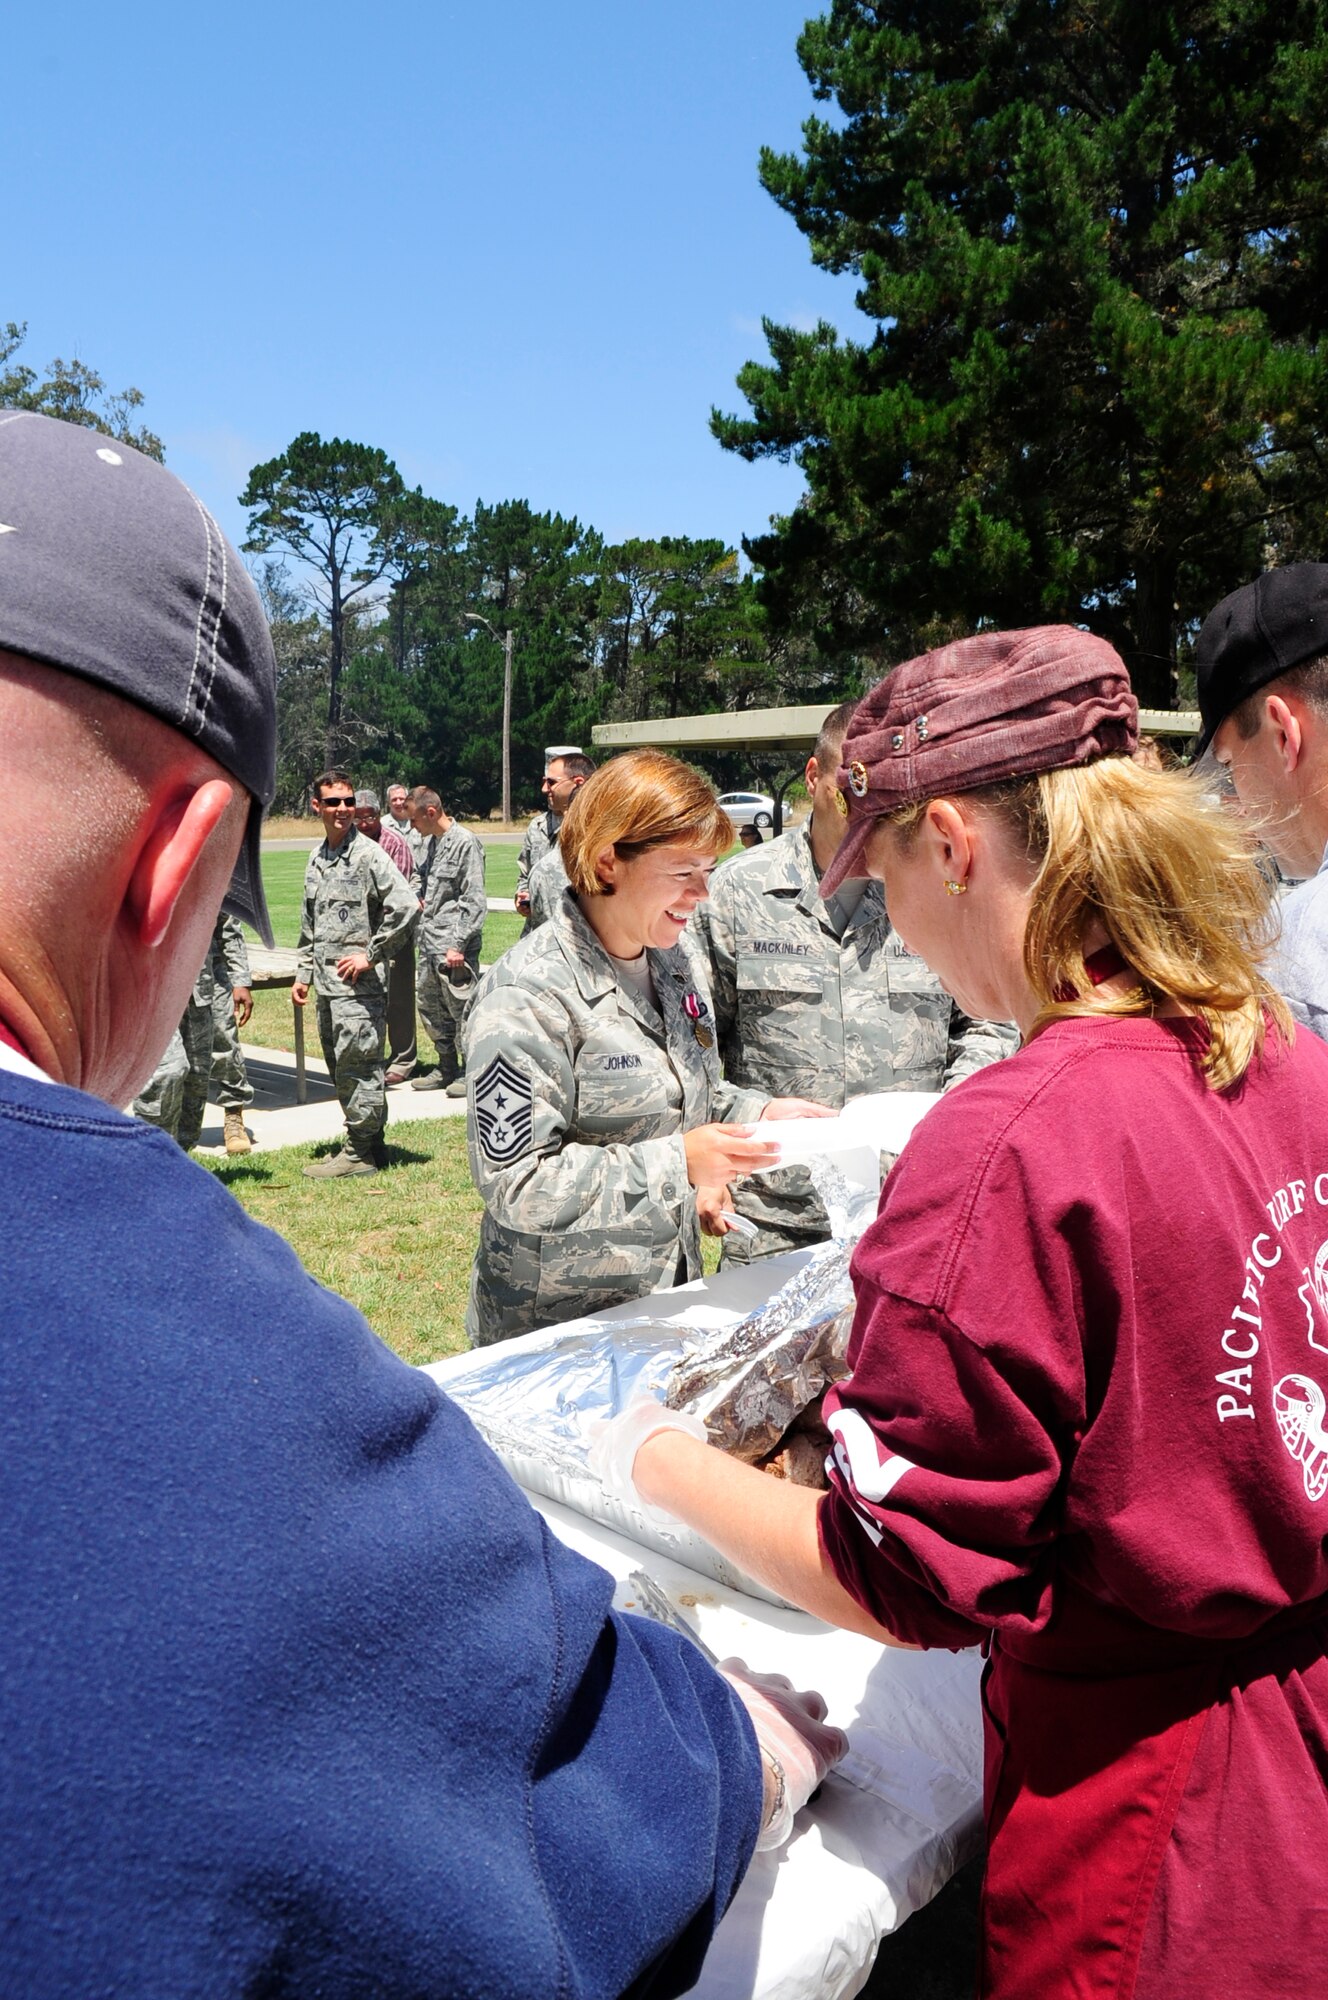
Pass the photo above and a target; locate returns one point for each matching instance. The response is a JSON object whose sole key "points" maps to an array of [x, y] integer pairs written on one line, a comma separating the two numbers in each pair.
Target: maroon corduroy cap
{"points": [[1001, 705]]}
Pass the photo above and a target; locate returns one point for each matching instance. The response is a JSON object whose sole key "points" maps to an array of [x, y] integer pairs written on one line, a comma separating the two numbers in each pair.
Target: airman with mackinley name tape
{"points": [[358, 908], [596, 1100], [820, 999]]}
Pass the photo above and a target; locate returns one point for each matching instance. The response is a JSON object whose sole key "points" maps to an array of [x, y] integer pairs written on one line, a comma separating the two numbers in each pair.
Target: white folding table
{"points": [[890, 1827]]}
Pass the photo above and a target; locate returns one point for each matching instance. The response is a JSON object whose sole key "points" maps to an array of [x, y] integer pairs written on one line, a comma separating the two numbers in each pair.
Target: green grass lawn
{"points": [[283, 883], [399, 1246], [500, 868]]}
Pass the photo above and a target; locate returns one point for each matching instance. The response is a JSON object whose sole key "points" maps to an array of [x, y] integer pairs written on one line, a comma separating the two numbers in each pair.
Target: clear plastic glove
{"points": [[617, 1440], [791, 1729]]}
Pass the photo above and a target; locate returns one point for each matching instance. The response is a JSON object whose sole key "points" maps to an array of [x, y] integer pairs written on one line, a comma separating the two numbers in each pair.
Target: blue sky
{"points": [[521, 247]]}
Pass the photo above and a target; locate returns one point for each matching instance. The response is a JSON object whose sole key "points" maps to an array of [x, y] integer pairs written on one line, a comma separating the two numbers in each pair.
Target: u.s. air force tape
{"points": [[503, 1098]]}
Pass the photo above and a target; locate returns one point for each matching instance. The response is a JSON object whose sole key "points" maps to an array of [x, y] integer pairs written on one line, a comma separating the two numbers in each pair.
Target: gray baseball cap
{"points": [[110, 568]]}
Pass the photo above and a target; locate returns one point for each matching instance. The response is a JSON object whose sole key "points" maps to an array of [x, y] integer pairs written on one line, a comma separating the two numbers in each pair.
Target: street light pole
{"points": [[507, 725], [476, 619]]}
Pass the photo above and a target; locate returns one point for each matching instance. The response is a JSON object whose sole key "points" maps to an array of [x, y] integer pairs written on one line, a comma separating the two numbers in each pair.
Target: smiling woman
{"points": [[645, 832], [596, 1101]]}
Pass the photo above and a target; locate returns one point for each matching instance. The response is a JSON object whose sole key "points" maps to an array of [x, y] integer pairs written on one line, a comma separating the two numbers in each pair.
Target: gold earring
{"points": [[956, 888]]}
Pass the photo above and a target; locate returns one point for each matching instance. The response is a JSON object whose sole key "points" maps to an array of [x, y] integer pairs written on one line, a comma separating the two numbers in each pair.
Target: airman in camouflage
{"points": [[566, 769], [358, 908], [539, 837], [451, 885], [580, 1093], [161, 1100], [175, 1097], [820, 1000], [548, 880], [232, 1004]]}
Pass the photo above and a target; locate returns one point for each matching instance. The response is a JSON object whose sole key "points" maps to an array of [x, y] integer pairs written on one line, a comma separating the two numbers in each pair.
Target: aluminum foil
{"points": [[539, 1401], [749, 1383], [538, 1404]]}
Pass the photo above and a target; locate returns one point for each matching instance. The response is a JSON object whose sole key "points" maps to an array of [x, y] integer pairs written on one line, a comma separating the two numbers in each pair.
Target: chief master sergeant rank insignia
{"points": [[503, 1100]]}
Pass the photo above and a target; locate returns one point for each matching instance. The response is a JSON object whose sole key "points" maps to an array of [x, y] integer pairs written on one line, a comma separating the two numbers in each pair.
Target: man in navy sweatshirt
{"points": [[299, 1695]]}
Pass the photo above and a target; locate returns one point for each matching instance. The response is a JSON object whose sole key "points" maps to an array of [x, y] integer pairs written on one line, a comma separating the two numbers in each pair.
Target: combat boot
{"points": [[338, 1165], [236, 1139], [447, 1072], [457, 1087]]}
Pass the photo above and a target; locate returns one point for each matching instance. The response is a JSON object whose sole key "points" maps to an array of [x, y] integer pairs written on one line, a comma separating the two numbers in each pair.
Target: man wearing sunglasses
{"points": [[358, 911]]}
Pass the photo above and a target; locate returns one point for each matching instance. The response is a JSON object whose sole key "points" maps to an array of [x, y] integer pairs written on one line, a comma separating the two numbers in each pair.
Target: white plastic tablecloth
{"points": [[889, 1828]]}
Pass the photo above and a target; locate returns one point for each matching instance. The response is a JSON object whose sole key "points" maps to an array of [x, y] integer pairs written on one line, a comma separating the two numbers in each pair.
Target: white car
{"points": [[749, 809]]}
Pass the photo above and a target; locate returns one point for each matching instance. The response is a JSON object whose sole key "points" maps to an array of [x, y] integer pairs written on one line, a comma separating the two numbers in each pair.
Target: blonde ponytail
{"points": [[1172, 877]]}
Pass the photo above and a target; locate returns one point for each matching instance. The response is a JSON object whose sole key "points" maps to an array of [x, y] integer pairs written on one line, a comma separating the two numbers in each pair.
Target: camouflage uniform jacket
{"points": [[226, 965], [451, 883], [355, 899], [548, 879], [804, 1013], [540, 836], [579, 1096]]}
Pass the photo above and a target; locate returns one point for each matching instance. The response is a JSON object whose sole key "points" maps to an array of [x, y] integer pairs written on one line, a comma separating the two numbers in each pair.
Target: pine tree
{"points": [[323, 503], [1094, 239]]}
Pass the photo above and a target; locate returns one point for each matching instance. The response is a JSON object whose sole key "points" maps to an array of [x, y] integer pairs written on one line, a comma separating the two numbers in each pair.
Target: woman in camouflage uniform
{"points": [[596, 1101]]}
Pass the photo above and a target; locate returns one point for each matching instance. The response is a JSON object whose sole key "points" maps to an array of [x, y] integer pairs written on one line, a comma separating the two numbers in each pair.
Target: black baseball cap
{"points": [[112, 569], [1262, 630]]}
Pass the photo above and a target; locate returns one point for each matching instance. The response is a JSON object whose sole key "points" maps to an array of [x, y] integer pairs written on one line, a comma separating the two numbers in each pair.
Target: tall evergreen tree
{"points": [[533, 573], [323, 502], [675, 620], [420, 542], [300, 642], [1094, 238]]}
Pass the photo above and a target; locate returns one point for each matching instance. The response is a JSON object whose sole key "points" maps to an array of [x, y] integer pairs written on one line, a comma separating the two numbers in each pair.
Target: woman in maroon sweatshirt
{"points": [[1086, 1423]]}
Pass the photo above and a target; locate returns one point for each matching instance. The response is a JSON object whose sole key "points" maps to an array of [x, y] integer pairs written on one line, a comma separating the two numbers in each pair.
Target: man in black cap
{"points": [[1262, 669], [300, 1695]]}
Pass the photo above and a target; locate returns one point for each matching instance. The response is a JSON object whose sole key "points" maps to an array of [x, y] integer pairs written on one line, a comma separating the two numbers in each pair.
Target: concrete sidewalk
{"points": [[275, 1119]]}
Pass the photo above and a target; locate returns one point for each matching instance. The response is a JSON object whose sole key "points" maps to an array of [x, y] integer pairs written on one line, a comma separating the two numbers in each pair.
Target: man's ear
{"points": [[184, 824], [1288, 734]]}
